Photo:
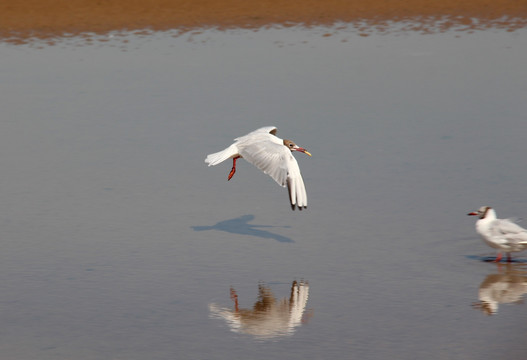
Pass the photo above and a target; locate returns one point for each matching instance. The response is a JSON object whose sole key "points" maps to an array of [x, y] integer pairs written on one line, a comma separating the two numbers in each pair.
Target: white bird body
{"points": [[501, 234], [270, 154]]}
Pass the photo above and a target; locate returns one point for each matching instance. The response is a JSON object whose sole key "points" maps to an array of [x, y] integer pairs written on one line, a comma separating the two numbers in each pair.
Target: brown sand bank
{"points": [[23, 19]]}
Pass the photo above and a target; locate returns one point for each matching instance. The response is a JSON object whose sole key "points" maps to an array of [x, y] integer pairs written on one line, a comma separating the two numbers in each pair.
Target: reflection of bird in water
{"points": [[501, 288], [501, 234], [269, 317]]}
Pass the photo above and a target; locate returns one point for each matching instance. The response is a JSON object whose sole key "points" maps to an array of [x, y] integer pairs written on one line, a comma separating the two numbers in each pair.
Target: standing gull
{"points": [[501, 234], [273, 156]]}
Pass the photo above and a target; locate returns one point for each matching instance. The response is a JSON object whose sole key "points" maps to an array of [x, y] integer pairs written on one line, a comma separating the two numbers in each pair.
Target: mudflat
{"points": [[23, 19]]}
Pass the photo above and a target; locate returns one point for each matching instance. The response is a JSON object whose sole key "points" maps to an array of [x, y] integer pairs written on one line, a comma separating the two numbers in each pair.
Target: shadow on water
{"points": [[240, 225], [493, 258]]}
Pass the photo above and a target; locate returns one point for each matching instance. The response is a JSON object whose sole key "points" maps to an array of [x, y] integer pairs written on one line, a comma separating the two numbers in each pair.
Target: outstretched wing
{"points": [[295, 184], [232, 151], [268, 157], [266, 130], [278, 162]]}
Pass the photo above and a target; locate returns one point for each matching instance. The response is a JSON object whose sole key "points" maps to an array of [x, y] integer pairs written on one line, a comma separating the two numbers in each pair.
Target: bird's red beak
{"points": [[303, 150], [472, 213]]}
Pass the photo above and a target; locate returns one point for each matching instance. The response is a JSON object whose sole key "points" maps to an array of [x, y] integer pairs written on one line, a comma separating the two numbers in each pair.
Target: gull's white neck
{"points": [[489, 215]]}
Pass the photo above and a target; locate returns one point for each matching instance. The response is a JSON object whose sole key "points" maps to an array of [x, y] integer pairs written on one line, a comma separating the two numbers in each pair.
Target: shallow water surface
{"points": [[118, 242]]}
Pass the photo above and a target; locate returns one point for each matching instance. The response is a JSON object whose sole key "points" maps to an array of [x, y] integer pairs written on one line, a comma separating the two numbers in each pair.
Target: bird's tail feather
{"points": [[220, 156]]}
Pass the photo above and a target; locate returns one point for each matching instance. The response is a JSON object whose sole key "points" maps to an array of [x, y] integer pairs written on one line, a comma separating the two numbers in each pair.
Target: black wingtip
{"points": [[293, 207]]}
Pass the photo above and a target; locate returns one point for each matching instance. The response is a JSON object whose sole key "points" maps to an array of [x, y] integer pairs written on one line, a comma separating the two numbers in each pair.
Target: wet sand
{"points": [[24, 19]]}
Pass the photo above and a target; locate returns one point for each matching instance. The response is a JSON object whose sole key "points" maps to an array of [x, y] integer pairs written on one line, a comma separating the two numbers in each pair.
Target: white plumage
{"points": [[501, 234], [270, 154]]}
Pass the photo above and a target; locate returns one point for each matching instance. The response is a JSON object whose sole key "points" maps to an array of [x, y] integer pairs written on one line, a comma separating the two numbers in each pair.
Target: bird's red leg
{"points": [[234, 297], [509, 258], [233, 170], [498, 258]]}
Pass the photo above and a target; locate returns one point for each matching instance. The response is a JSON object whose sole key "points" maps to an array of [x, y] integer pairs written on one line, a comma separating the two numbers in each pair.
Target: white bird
{"points": [[501, 234], [270, 154]]}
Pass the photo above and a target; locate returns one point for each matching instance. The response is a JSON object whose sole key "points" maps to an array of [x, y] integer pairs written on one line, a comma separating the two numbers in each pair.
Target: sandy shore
{"points": [[23, 19]]}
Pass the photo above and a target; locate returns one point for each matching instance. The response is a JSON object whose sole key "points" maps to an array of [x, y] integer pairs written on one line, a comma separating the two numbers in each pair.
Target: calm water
{"points": [[118, 242]]}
